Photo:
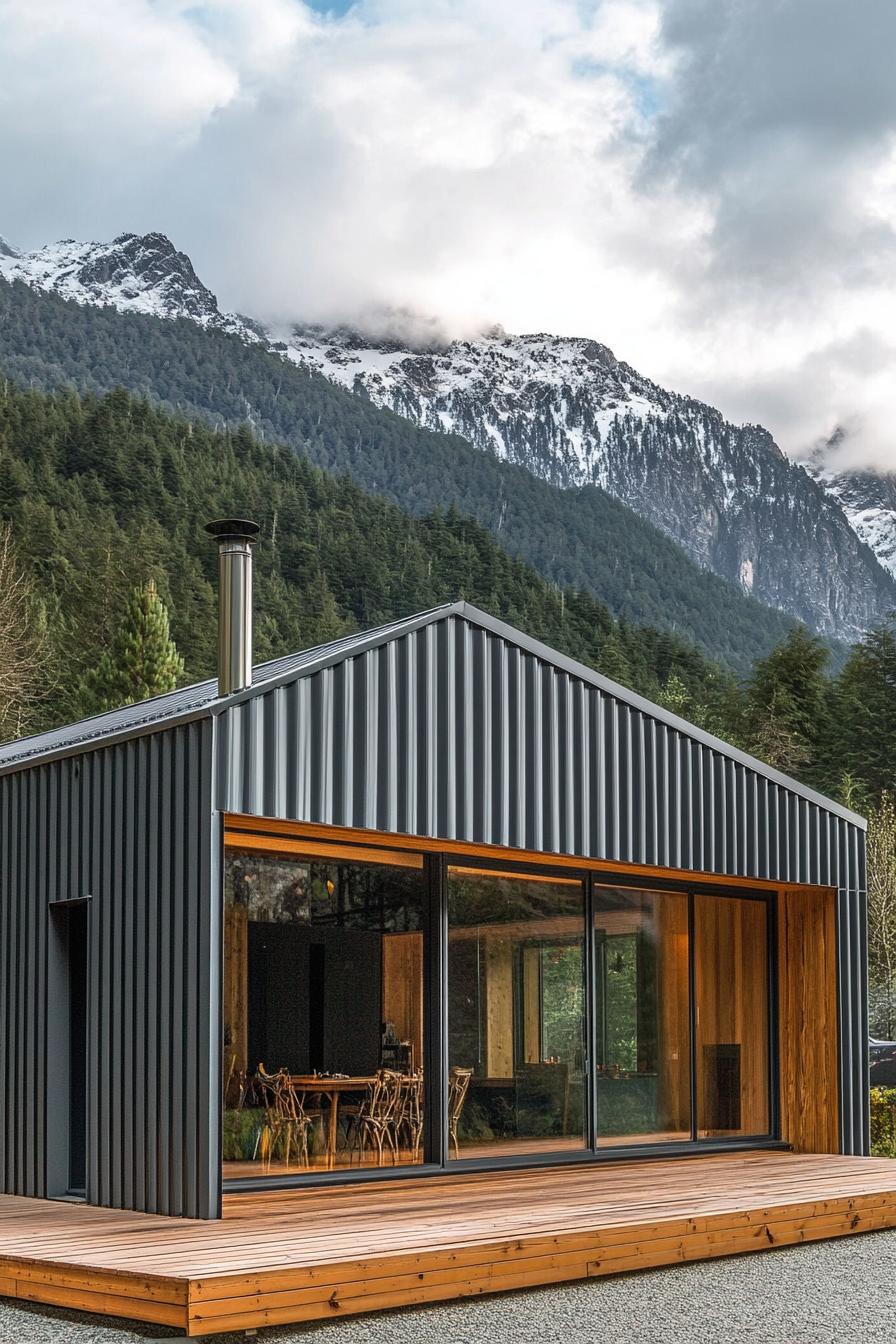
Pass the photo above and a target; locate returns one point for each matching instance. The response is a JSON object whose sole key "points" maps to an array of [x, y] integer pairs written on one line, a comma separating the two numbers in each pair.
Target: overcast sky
{"points": [[707, 186]]}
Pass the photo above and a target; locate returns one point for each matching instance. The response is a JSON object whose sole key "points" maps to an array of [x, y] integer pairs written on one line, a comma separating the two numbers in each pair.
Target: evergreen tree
{"points": [[24, 650], [332, 557], [716, 710], [141, 660], [582, 539], [788, 704], [882, 917], [862, 736]]}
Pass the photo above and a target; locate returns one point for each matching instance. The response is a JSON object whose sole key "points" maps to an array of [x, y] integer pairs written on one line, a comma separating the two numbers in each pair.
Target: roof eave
{"points": [[397, 629]]}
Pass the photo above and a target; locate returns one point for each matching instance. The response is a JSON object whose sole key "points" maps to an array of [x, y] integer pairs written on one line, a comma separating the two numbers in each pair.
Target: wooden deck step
{"points": [[290, 1256]]}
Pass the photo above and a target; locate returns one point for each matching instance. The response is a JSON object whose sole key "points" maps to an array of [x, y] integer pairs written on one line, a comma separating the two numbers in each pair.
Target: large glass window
{"points": [[731, 965], [642, 1016], [326, 1012], [323, 1013], [516, 1014]]}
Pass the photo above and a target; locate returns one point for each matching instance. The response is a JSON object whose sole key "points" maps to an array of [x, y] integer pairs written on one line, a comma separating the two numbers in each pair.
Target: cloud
{"points": [[781, 120], [708, 188], [95, 97], [472, 160]]}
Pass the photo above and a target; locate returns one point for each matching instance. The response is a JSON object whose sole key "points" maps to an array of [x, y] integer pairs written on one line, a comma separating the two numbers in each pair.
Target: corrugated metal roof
{"points": [[202, 698], [189, 701]]}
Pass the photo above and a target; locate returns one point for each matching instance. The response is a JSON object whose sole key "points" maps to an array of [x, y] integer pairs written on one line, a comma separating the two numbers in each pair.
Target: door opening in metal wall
{"points": [[77, 1048], [67, 1036]]}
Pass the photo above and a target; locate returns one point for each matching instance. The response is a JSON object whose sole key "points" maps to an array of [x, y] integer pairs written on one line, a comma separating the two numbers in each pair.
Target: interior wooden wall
{"points": [[674, 1063], [532, 995], [498, 960], [731, 961], [403, 988], [236, 994], [807, 991]]}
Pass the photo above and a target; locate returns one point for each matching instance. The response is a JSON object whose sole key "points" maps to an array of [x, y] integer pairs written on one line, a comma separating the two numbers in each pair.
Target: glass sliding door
{"points": [[731, 955], [656, 1031], [324, 1021], [516, 1014], [642, 1016]]}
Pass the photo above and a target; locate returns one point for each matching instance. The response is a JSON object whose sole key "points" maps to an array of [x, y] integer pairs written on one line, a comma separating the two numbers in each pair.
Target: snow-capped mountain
{"points": [[134, 274], [571, 413], [868, 498], [546, 402], [575, 415]]}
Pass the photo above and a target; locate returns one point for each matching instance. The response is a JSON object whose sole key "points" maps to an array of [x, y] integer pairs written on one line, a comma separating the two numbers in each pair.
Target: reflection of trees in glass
{"points": [[562, 1002], [274, 890], [486, 899], [280, 890], [621, 1028]]}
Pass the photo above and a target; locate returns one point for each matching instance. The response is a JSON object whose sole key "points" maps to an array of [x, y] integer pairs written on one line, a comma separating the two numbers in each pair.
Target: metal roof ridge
{"points": [[350, 645], [21, 756]]}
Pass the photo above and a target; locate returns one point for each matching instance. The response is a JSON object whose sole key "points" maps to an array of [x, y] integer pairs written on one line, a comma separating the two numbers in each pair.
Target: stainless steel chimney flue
{"points": [[235, 537]]}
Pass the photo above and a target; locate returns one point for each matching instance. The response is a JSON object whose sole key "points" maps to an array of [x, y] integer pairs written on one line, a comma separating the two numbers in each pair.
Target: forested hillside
{"points": [[105, 494], [581, 539], [103, 501]]}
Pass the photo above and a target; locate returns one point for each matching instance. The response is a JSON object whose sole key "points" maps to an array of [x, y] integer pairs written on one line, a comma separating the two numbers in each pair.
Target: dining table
{"points": [[331, 1086]]}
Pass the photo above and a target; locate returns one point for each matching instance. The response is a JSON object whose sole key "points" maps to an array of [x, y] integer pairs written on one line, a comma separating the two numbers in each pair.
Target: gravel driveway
{"points": [[834, 1292]]}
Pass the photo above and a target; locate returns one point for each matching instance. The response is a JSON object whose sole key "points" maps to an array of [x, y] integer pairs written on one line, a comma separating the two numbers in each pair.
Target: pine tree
{"points": [[141, 660], [863, 731], [882, 916], [788, 703], [710, 712], [24, 649]]}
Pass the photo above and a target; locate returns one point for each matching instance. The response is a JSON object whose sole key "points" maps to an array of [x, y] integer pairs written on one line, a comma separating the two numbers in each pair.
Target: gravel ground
{"points": [[835, 1292]]}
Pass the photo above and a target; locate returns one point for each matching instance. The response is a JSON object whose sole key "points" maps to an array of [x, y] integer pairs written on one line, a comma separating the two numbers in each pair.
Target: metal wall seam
{"points": [[468, 689], [407, 762]]}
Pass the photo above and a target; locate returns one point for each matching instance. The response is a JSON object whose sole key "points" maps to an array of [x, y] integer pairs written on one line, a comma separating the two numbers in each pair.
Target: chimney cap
{"points": [[233, 529]]}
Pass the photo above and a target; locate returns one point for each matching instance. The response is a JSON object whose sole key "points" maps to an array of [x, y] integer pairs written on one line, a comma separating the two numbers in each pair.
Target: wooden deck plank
{"points": [[315, 1253]]}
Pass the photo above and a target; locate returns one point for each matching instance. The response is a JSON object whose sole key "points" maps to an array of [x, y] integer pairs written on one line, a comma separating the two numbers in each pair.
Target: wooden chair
{"points": [[379, 1116], [286, 1123], [458, 1087], [238, 1086], [410, 1119], [312, 1107]]}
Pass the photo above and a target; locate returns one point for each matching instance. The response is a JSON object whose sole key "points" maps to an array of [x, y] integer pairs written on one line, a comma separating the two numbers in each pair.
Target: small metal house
{"points": [[430, 897]]}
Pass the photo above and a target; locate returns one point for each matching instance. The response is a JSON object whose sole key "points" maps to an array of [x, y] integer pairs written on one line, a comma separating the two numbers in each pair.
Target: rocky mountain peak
{"points": [[136, 273], [571, 413], [867, 496]]}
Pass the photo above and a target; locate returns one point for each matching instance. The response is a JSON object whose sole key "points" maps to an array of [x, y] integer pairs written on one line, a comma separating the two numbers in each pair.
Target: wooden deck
{"points": [[287, 1256]]}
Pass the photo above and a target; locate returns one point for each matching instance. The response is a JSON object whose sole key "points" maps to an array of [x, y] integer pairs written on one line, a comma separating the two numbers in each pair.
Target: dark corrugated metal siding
{"points": [[453, 731], [441, 726], [852, 996], [132, 826]]}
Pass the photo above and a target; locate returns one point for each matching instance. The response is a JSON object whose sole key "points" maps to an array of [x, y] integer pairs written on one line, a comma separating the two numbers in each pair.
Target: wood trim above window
{"points": [[312, 849], [236, 826]]}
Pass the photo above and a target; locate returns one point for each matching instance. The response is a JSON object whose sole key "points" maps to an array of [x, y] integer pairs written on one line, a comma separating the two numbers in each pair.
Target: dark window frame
{"points": [[435, 865]]}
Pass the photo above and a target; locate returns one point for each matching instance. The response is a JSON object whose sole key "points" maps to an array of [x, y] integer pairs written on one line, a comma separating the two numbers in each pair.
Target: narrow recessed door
{"points": [[732, 985], [77, 1049]]}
